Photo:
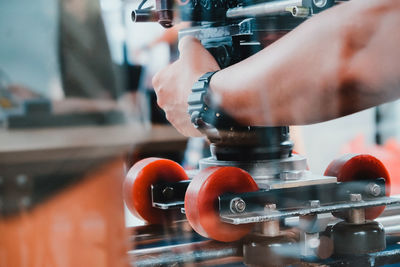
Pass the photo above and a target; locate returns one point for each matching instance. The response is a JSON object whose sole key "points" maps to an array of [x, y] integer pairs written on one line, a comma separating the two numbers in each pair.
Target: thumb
{"points": [[188, 44], [191, 50]]}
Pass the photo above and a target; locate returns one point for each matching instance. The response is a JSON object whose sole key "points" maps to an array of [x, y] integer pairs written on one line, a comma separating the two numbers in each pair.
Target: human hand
{"points": [[173, 84]]}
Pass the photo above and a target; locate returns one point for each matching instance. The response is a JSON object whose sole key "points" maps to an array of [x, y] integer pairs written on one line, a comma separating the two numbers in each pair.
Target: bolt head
{"points": [[315, 203], [238, 205], [374, 189], [355, 197], [320, 3], [270, 206]]}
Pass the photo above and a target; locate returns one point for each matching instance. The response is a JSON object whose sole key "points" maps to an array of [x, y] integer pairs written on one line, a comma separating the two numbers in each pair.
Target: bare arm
{"points": [[341, 61]]}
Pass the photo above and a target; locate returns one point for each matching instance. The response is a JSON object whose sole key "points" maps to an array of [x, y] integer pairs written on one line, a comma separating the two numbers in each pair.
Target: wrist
{"points": [[216, 86], [205, 112]]}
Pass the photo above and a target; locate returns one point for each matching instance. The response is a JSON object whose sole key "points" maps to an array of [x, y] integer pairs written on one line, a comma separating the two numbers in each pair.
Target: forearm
{"points": [[337, 63]]}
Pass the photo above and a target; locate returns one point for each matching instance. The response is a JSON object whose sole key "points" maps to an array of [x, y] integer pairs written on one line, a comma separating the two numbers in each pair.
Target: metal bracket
{"points": [[300, 201]]}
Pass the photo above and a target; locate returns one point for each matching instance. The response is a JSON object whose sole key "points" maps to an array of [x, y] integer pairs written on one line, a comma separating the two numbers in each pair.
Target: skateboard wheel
{"points": [[202, 197], [137, 187], [353, 167]]}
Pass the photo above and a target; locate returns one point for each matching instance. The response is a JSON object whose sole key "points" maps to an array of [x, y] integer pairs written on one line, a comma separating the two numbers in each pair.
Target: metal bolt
{"points": [[270, 206], [299, 12], [320, 3], [355, 197], [238, 205], [270, 228], [315, 203], [356, 216], [374, 189], [168, 192]]}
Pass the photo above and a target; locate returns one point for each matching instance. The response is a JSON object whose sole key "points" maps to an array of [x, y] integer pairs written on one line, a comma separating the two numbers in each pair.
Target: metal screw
{"points": [[355, 197], [300, 12], [238, 205], [270, 228], [270, 206], [315, 203], [374, 189], [320, 3]]}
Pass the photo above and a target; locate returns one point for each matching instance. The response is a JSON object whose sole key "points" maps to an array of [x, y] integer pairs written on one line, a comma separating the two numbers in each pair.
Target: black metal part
{"points": [[144, 15], [165, 12], [169, 195], [356, 239], [251, 143], [231, 40], [230, 140], [270, 251], [298, 197]]}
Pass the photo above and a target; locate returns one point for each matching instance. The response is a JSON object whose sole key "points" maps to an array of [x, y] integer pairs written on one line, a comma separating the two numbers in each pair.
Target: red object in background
{"points": [[137, 187], [389, 154], [82, 225], [353, 167], [202, 197]]}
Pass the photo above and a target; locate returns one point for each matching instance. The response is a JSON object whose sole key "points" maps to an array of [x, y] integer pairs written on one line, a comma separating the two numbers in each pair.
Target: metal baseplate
{"points": [[253, 207], [262, 216], [306, 196]]}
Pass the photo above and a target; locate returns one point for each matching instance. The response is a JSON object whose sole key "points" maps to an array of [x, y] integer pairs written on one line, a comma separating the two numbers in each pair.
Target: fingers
{"points": [[164, 77]]}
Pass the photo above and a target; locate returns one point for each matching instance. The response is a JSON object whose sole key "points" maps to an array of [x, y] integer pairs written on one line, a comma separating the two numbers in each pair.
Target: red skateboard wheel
{"points": [[137, 186], [353, 167], [202, 196]]}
